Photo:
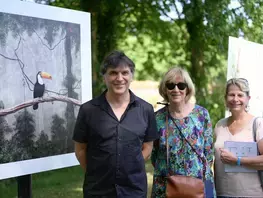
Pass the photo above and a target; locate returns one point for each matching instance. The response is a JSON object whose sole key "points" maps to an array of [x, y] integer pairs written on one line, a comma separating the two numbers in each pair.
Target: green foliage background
{"points": [[158, 34]]}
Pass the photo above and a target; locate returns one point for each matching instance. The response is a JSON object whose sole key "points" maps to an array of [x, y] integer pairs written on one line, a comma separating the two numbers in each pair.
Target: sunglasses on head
{"points": [[180, 85]]}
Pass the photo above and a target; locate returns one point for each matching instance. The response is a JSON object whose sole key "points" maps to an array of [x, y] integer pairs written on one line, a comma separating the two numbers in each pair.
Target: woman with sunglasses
{"points": [[238, 127], [188, 123]]}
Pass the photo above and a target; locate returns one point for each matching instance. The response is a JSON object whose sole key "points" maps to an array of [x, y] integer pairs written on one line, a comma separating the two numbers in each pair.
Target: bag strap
{"points": [[166, 142], [255, 129], [182, 135]]}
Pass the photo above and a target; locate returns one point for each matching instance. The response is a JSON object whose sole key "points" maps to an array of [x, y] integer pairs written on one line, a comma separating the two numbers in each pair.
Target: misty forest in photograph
{"points": [[39, 62]]}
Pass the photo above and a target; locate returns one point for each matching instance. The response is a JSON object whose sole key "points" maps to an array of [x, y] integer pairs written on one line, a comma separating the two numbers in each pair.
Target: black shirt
{"points": [[115, 165]]}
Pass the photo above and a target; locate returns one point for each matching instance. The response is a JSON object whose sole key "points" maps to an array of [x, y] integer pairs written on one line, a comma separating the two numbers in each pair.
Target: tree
{"points": [[43, 146], [208, 25], [59, 134], [72, 37], [101, 46], [23, 138], [7, 151], [104, 22], [192, 34], [201, 36], [71, 34], [4, 129], [111, 21]]}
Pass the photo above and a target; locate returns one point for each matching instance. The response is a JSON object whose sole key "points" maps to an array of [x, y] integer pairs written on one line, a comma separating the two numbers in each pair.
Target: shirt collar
{"points": [[102, 101]]}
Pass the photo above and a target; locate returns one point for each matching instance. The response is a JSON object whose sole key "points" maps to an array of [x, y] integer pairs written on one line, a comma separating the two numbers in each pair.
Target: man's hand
{"points": [[147, 150], [80, 152]]}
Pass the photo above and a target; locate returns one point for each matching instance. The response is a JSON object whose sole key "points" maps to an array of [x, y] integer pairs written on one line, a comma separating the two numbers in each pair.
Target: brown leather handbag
{"points": [[180, 186]]}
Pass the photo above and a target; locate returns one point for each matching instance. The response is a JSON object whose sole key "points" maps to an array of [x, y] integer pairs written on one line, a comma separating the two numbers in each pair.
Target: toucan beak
{"points": [[46, 75]]}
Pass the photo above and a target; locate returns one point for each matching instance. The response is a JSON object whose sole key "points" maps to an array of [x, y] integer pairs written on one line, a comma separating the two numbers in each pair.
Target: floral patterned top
{"points": [[197, 128]]}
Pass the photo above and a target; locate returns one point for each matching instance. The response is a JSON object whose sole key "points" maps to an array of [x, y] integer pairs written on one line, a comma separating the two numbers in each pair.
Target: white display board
{"points": [[240, 149], [245, 60], [33, 38]]}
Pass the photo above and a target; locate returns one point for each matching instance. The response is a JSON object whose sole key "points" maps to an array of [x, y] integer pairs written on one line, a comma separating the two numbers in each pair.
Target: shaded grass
{"points": [[62, 183], [65, 182]]}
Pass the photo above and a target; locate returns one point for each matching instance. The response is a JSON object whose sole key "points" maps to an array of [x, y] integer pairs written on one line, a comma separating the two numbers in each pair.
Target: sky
{"points": [[173, 14]]}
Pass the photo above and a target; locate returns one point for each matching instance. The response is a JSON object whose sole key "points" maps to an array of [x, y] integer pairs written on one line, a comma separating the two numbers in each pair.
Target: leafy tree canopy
{"points": [[158, 34]]}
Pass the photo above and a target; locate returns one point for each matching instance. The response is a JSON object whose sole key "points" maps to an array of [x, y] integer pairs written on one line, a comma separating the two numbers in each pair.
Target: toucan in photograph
{"points": [[39, 87]]}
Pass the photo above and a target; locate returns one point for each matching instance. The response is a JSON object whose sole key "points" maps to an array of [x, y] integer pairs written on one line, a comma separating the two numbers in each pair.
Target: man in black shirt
{"points": [[114, 134]]}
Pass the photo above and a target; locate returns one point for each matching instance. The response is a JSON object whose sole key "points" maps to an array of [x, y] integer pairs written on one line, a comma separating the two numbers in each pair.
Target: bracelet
{"points": [[238, 161]]}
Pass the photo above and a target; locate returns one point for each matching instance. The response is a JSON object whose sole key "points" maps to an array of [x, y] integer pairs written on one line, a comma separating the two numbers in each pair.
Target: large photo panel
{"points": [[45, 75], [245, 60]]}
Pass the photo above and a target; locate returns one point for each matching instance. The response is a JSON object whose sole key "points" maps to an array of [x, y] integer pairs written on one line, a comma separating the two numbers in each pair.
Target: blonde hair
{"points": [[170, 75], [241, 83]]}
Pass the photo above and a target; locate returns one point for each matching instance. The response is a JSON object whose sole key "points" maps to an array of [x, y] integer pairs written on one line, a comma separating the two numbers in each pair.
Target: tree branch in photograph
{"points": [[20, 38], [77, 86], [13, 59], [49, 91], [22, 65], [29, 103], [50, 48]]}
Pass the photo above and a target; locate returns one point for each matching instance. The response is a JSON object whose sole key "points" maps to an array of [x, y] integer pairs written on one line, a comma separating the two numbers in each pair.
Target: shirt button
{"points": [[119, 154]]}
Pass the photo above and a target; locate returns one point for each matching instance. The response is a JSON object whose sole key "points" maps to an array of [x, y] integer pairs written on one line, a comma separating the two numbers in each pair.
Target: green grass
{"points": [[62, 183]]}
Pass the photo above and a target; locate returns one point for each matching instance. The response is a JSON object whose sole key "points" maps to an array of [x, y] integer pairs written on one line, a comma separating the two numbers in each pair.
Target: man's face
{"points": [[118, 79]]}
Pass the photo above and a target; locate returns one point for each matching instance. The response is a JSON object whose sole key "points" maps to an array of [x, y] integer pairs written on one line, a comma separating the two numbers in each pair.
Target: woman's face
{"points": [[176, 90], [236, 100]]}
